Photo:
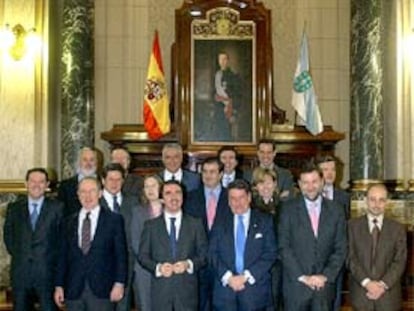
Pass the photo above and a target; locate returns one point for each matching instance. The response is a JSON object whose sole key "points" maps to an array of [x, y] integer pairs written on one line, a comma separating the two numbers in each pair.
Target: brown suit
{"points": [[390, 259]]}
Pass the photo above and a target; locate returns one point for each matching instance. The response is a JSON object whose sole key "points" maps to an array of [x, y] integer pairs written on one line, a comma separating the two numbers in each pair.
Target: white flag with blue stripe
{"points": [[304, 98]]}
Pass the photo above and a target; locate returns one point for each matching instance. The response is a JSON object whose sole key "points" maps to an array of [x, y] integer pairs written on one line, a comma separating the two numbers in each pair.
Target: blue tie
{"points": [[117, 208], [173, 241], [240, 244], [34, 215]]}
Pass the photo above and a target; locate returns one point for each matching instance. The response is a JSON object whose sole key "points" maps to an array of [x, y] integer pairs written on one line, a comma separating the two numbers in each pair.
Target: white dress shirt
{"points": [[109, 198], [178, 175], [93, 216]]}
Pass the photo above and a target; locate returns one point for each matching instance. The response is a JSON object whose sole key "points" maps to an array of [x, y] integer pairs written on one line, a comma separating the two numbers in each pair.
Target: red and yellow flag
{"points": [[156, 103]]}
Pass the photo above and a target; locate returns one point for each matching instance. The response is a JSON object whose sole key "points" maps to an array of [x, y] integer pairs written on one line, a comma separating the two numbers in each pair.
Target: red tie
{"points": [[211, 209]]}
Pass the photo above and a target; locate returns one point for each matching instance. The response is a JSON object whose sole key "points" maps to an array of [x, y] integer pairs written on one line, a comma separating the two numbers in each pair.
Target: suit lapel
{"points": [[44, 211], [304, 219], [163, 237], [323, 218], [254, 228]]}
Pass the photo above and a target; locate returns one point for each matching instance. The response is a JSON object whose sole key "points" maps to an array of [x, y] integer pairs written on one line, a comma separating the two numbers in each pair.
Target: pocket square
{"points": [[258, 236]]}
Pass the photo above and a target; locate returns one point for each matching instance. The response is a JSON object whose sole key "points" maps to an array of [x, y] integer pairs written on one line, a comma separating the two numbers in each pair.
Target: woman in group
{"points": [[150, 207], [266, 198]]}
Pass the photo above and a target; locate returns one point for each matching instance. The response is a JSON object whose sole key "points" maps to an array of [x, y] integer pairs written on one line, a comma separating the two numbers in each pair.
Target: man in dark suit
{"points": [[312, 245], [377, 256], [229, 157], [209, 203], [115, 201], [67, 189], [31, 236], [172, 159], [92, 267], [173, 248], [133, 183], [242, 251], [327, 164]]}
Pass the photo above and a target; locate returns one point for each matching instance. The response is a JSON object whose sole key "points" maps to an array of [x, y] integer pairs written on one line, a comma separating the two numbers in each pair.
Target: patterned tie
{"points": [[211, 209], [34, 215], [240, 243], [117, 208], [173, 238], [86, 234], [313, 213], [375, 236]]}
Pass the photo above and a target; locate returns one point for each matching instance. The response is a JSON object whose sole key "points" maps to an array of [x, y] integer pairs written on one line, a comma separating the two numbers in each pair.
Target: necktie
{"points": [[172, 177], [375, 235], [34, 215], [211, 209], [173, 238], [314, 218], [240, 244], [117, 208], [86, 234]]}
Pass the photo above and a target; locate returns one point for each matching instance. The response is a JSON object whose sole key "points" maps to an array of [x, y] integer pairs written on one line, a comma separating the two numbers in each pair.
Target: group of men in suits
{"points": [[208, 250]]}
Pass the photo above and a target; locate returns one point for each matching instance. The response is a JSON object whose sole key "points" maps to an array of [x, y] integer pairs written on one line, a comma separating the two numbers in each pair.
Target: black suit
{"points": [[128, 204], [67, 193], [304, 254], [34, 253], [195, 206], [104, 264], [180, 291], [133, 185]]}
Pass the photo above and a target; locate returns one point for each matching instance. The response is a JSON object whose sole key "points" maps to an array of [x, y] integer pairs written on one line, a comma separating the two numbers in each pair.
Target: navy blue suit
{"points": [[34, 253], [195, 205], [260, 255], [104, 264]]}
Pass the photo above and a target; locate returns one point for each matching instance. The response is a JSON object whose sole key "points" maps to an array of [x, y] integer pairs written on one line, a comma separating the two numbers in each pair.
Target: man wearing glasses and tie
{"points": [[31, 236], [377, 256]]}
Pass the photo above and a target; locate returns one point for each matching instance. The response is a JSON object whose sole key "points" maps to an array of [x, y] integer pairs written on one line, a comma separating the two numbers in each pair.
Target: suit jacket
{"points": [[190, 180], [133, 185], [390, 260], [260, 254], [37, 250], [195, 205], [155, 249], [104, 264], [344, 199], [67, 193], [304, 254], [128, 204]]}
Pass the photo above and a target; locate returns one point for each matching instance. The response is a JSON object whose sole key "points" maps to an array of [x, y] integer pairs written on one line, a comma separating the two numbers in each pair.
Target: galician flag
{"points": [[304, 98], [156, 103]]}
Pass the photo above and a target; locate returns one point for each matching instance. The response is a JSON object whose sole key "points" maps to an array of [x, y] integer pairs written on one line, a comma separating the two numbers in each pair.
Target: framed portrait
{"points": [[222, 74], [223, 66]]}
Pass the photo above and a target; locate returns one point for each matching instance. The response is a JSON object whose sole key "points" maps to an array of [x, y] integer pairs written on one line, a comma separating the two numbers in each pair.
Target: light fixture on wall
{"points": [[18, 41]]}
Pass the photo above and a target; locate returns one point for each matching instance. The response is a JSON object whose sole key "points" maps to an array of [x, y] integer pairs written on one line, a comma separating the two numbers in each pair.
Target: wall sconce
{"points": [[18, 41]]}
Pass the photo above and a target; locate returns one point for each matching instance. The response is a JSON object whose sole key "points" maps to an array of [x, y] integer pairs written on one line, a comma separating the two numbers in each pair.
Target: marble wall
{"points": [[124, 31]]}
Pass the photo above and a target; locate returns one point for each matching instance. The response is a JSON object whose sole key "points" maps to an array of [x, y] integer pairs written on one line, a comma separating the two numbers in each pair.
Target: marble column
{"points": [[77, 115], [366, 145]]}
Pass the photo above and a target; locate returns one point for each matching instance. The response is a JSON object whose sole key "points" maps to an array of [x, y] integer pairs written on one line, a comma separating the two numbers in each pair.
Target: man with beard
{"points": [[312, 245], [67, 191]]}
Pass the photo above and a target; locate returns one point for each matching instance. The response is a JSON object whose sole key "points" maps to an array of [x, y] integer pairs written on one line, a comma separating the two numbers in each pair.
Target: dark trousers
{"points": [[302, 298], [89, 302], [25, 298]]}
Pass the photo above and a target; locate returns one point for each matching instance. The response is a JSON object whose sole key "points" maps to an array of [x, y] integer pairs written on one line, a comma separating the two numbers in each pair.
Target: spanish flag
{"points": [[156, 104]]}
